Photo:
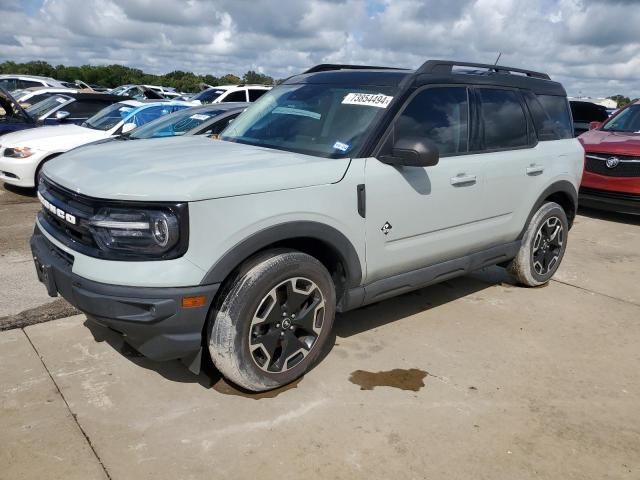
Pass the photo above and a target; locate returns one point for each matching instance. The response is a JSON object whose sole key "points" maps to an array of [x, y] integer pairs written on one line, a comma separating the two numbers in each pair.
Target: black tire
{"points": [[543, 246], [254, 330]]}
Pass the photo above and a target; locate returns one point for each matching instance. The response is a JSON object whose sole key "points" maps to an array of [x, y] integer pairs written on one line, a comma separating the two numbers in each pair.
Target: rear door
{"points": [[516, 166]]}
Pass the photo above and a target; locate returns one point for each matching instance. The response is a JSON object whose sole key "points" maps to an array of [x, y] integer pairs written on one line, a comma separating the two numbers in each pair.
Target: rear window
{"points": [[504, 120], [551, 116]]}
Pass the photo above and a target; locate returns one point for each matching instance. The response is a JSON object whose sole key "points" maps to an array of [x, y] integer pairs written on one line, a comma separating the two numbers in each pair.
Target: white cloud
{"points": [[592, 46]]}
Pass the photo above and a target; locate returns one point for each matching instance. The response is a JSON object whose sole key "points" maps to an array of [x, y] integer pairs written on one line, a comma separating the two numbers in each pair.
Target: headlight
{"points": [[19, 152], [140, 232]]}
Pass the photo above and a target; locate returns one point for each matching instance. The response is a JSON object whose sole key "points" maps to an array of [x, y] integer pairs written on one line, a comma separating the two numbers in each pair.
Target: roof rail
{"points": [[445, 67], [327, 67]]}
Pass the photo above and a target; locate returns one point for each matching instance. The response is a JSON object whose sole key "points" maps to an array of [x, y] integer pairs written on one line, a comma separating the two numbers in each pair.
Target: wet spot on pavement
{"points": [[405, 379]]}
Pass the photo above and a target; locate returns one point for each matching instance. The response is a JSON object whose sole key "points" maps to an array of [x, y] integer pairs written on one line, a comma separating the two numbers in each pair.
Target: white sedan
{"points": [[23, 153]]}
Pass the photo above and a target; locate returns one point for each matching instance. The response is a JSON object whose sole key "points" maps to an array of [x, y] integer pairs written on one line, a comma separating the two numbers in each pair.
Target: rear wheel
{"points": [[543, 246], [273, 320]]}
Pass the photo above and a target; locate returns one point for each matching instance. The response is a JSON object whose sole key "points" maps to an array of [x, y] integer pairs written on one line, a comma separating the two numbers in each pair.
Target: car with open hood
{"points": [[69, 107], [23, 153], [341, 187]]}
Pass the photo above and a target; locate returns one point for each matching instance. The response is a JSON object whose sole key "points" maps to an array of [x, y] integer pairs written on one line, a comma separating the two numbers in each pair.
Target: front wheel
{"points": [[543, 246], [273, 320]]}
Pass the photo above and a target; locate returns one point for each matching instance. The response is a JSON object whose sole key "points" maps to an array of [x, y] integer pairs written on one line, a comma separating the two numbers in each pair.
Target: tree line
{"points": [[114, 75]]}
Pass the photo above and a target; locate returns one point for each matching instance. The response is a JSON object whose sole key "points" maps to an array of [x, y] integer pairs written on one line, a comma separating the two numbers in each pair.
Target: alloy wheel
{"points": [[286, 325], [547, 246]]}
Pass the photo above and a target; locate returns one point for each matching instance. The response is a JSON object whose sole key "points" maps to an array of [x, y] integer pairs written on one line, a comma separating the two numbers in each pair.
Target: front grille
{"points": [[74, 234], [628, 166]]}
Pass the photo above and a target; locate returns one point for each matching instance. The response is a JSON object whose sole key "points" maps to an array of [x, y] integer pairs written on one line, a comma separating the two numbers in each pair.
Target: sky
{"points": [[591, 46]]}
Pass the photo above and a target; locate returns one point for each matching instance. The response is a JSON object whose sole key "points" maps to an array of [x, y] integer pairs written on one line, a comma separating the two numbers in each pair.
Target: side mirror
{"points": [[127, 127], [412, 152], [61, 115], [594, 125]]}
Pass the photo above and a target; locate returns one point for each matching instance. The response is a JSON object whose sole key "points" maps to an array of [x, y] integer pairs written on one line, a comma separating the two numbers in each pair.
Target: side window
{"points": [[557, 109], [239, 96], [503, 119], [255, 94], [546, 127], [439, 114]]}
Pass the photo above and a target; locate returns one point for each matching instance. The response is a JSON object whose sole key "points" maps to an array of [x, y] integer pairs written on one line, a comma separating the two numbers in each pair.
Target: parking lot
{"points": [[487, 380]]}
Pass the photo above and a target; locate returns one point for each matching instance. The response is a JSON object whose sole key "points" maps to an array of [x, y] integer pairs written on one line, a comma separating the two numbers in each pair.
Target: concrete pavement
{"points": [[518, 384]]}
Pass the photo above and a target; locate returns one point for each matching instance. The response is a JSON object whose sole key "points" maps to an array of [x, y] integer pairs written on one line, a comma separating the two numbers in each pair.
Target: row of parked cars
{"points": [[81, 117], [341, 187]]}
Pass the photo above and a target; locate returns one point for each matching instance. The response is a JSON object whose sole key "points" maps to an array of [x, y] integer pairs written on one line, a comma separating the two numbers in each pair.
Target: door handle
{"points": [[535, 170], [463, 179]]}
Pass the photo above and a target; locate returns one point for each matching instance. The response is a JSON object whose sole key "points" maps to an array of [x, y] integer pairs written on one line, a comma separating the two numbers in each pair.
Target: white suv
{"points": [[341, 187], [230, 93]]}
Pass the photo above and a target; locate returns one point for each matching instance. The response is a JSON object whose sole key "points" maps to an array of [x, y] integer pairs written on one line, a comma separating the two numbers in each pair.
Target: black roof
{"points": [[432, 72]]}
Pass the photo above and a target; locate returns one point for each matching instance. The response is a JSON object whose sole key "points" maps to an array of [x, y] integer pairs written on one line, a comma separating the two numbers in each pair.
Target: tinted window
{"points": [[85, 108], [548, 128], [504, 120], [440, 115], [556, 109], [8, 84], [255, 94], [238, 96]]}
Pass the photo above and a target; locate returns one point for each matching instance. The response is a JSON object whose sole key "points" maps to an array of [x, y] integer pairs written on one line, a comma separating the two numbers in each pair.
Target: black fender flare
{"points": [[561, 186], [288, 231]]}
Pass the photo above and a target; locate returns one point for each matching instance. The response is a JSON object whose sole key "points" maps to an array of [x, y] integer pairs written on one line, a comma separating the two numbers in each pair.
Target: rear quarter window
{"points": [[551, 116]]}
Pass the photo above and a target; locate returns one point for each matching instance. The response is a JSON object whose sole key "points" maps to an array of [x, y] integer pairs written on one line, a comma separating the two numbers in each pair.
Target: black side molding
{"points": [[362, 200], [425, 276]]}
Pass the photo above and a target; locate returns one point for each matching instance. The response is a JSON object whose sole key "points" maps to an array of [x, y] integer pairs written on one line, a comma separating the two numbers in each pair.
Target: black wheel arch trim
{"points": [[286, 232], [562, 186]]}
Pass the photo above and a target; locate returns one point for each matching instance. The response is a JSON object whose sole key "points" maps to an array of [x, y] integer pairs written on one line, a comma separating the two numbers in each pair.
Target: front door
{"points": [[420, 216]]}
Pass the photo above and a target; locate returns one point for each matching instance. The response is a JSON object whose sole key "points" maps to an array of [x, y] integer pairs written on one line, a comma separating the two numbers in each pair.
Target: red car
{"points": [[611, 179]]}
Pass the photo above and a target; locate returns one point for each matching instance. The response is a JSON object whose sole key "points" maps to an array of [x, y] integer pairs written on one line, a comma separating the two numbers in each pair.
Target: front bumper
{"points": [[20, 172], [151, 319], [608, 200]]}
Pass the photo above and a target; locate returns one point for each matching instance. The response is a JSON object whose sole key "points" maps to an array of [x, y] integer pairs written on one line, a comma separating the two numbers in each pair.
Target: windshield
{"points": [[177, 123], [109, 117], [627, 120], [321, 120], [39, 109]]}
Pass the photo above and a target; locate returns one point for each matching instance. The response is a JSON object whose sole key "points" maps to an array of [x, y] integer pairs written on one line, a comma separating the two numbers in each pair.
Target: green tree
{"points": [[621, 100], [254, 77], [114, 75]]}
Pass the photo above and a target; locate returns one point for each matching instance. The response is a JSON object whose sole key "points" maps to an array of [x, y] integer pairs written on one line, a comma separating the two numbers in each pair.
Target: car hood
{"points": [[623, 143], [20, 112], [187, 169], [54, 138]]}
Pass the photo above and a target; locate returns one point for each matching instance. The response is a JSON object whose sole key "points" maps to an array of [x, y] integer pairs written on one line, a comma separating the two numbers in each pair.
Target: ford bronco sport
{"points": [[341, 187]]}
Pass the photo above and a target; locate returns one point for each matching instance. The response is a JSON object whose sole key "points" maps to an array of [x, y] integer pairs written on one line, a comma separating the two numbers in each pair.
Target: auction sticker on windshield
{"points": [[199, 116], [373, 100]]}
